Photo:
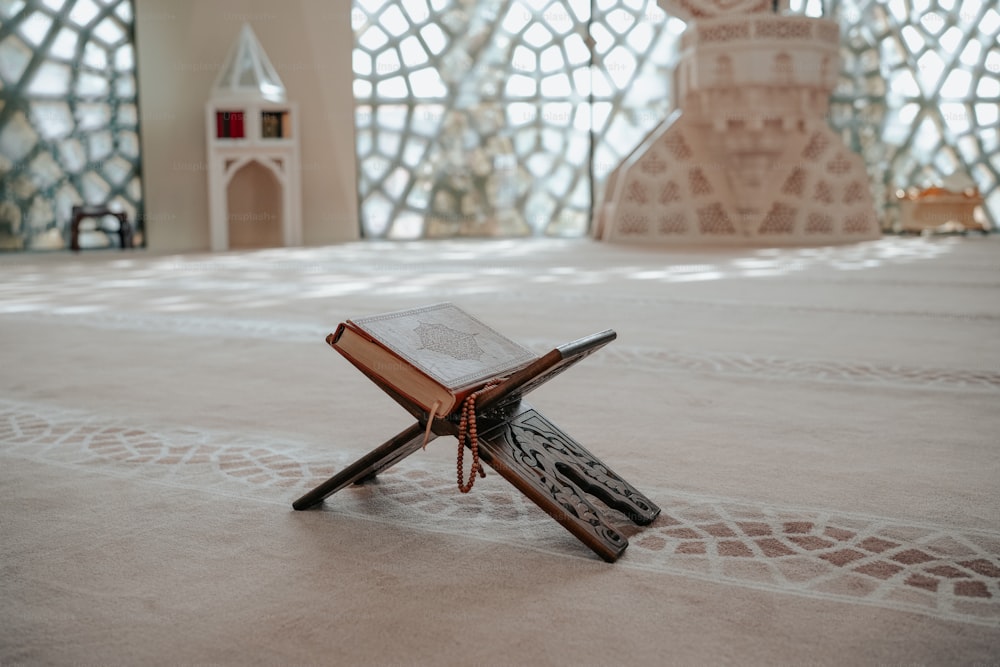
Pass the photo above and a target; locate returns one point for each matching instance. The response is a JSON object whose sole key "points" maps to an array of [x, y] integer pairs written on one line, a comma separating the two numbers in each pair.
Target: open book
{"points": [[434, 355]]}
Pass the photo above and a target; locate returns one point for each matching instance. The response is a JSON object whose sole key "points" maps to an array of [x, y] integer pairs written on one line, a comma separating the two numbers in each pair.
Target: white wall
{"points": [[181, 44]]}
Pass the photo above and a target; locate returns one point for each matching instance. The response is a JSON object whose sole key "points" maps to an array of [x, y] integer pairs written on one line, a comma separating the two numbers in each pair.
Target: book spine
{"points": [[236, 124], [333, 340]]}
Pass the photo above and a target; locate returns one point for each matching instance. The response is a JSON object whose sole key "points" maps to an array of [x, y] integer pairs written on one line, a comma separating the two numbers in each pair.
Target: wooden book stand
{"points": [[526, 449]]}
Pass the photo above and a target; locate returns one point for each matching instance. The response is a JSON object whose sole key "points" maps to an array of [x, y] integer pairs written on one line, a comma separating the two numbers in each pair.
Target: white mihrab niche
{"points": [[747, 156], [254, 186]]}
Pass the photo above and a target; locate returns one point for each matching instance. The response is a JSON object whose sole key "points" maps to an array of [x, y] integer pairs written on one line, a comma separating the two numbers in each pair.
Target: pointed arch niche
{"points": [[254, 186], [255, 197]]}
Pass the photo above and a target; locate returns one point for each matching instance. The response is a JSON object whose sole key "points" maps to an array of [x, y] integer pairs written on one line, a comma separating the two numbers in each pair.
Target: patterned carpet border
{"points": [[938, 571]]}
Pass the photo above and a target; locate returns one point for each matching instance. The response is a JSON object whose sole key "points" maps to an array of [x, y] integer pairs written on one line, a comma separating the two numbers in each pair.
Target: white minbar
{"points": [[253, 152], [747, 155]]}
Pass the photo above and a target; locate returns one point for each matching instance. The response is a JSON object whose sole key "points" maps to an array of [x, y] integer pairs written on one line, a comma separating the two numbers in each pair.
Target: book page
{"points": [[446, 343]]}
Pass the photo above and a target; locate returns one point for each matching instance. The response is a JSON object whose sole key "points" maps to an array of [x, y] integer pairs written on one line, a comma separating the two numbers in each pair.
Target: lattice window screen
{"points": [[496, 118], [68, 116], [920, 92]]}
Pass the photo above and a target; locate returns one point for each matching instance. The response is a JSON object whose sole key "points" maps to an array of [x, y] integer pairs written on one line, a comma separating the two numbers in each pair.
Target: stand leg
{"points": [[593, 476], [385, 455], [556, 473]]}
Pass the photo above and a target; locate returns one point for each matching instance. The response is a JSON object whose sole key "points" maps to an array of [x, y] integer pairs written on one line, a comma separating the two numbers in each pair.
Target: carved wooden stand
{"points": [[526, 449]]}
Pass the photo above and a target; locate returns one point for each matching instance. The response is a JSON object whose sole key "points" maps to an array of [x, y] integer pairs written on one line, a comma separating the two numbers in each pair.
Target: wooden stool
{"points": [[99, 212]]}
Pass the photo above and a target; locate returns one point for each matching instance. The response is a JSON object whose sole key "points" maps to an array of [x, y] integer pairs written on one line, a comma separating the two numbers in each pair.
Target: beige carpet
{"points": [[820, 426]]}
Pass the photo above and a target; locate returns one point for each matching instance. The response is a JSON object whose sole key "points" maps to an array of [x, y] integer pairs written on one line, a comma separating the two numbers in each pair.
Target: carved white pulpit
{"points": [[747, 156], [254, 184]]}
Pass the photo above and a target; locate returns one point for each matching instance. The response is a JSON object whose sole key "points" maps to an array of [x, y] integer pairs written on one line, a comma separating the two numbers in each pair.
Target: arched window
{"points": [[723, 71], [783, 71]]}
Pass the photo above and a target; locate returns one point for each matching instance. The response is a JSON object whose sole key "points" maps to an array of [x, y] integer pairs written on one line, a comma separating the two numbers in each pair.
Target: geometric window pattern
{"points": [[69, 120], [919, 93], [505, 117], [501, 117]]}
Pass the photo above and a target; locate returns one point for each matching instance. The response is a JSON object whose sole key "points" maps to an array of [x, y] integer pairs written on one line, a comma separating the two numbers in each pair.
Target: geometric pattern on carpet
{"points": [[899, 564]]}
